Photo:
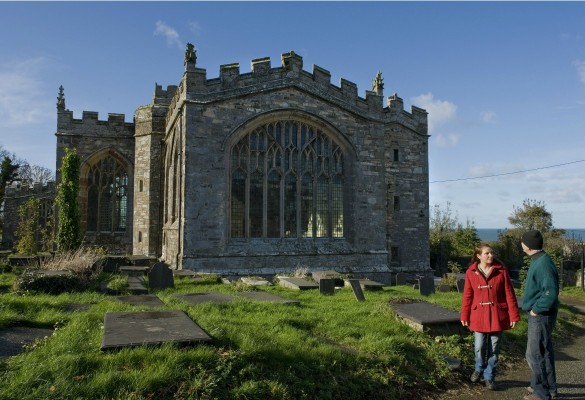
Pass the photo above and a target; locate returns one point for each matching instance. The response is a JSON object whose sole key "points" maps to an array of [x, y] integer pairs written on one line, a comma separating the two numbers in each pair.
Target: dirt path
{"points": [[512, 383]]}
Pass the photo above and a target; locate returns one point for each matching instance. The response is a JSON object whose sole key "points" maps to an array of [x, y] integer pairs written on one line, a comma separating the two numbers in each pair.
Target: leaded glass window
{"points": [[107, 196], [286, 181]]}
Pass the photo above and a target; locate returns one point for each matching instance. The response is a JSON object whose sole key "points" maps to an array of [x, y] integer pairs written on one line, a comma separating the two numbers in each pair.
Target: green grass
{"points": [[327, 347]]}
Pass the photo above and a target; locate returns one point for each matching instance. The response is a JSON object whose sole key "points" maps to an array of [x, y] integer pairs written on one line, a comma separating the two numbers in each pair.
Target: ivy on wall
{"points": [[69, 226]]}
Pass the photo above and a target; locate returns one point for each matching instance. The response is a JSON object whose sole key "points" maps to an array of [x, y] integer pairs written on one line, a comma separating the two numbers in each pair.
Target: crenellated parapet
{"points": [[90, 124], [195, 87], [17, 189]]}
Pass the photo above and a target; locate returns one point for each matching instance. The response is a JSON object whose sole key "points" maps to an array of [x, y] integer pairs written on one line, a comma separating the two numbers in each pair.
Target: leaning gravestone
{"points": [[357, 289], [160, 277], [426, 285]]}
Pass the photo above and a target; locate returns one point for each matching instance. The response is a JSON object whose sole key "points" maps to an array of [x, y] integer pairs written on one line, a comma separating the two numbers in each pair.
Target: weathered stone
{"points": [[357, 289], [160, 276], [327, 286], [150, 328], [296, 283], [430, 318], [426, 285]]}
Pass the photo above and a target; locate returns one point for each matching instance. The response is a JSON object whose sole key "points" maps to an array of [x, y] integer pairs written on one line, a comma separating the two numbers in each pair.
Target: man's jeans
{"points": [[540, 354], [487, 349]]}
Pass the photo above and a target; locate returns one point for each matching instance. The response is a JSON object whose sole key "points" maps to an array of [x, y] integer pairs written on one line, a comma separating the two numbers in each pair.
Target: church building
{"points": [[257, 173]]}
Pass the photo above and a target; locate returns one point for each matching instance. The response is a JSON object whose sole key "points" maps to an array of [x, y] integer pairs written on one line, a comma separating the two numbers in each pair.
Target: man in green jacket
{"points": [[541, 302]]}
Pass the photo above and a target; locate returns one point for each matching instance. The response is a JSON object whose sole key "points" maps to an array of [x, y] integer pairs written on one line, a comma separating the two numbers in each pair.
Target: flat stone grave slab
{"points": [[76, 307], [296, 283], [183, 273], [144, 328], [254, 281], [357, 289], [149, 300], [430, 318], [13, 340], [367, 284], [330, 274], [136, 285], [264, 296], [132, 270], [198, 298]]}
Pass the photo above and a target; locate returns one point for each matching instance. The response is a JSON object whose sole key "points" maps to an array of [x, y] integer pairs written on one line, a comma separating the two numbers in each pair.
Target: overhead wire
{"points": [[508, 173]]}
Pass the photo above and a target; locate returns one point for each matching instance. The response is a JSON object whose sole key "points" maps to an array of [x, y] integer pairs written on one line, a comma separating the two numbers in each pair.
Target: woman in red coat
{"points": [[488, 308]]}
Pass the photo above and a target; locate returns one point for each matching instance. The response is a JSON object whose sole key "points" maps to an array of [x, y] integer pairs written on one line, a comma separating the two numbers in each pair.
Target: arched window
{"points": [[107, 196], [286, 182]]}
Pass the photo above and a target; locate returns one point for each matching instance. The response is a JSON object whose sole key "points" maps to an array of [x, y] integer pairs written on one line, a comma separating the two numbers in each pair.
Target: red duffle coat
{"points": [[489, 305]]}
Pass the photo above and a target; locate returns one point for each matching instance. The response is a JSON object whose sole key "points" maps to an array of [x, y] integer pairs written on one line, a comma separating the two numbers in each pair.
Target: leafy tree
{"points": [[532, 215], [69, 225], [28, 232], [450, 241]]}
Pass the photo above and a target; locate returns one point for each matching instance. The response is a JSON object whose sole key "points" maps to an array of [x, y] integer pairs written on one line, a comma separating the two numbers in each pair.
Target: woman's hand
{"points": [[465, 323]]}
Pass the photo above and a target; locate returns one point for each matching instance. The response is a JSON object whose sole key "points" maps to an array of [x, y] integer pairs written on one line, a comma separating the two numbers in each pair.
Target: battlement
{"points": [[91, 124], [17, 189], [263, 77]]}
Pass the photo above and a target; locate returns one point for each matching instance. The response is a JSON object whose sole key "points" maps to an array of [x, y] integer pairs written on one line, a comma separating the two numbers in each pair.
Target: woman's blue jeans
{"points": [[487, 349], [540, 354]]}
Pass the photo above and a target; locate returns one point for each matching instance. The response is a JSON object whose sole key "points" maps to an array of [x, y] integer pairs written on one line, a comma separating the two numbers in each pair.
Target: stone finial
{"points": [[190, 57], [61, 99], [378, 84]]}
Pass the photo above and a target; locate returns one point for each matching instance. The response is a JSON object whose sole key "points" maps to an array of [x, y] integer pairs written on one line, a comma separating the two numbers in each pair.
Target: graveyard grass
{"points": [[327, 347]]}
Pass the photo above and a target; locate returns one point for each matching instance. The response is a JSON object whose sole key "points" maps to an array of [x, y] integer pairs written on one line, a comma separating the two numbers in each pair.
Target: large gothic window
{"points": [[286, 181], [107, 196]]}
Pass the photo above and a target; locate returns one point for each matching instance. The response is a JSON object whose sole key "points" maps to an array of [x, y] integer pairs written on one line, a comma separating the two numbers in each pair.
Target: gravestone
{"points": [[330, 274], [444, 288], [14, 339], [131, 329], [250, 281], [149, 300], [296, 283], [264, 296], [367, 284], [160, 277], [426, 285], [131, 270], [460, 285], [430, 318], [357, 289], [198, 298], [327, 286], [401, 278]]}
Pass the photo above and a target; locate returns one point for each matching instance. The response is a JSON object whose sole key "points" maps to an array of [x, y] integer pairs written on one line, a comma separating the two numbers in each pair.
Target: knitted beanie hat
{"points": [[533, 240]]}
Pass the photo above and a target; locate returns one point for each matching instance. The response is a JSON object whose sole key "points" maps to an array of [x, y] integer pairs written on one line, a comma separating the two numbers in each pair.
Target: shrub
{"points": [[81, 269]]}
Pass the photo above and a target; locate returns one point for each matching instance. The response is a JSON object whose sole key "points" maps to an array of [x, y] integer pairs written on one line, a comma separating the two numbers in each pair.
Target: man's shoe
{"points": [[475, 376], [490, 385], [530, 390]]}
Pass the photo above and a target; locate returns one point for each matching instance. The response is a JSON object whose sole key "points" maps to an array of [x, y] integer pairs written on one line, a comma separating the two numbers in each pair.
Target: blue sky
{"points": [[503, 82]]}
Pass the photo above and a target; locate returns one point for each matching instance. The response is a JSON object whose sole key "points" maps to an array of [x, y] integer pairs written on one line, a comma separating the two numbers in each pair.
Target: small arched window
{"points": [[107, 196], [287, 181]]}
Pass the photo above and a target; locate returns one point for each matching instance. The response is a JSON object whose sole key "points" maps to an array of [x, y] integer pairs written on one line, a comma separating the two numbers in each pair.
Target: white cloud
{"points": [[488, 117], [195, 28], [580, 67], [171, 34], [447, 139], [440, 111], [21, 94]]}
